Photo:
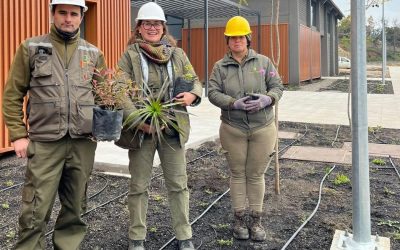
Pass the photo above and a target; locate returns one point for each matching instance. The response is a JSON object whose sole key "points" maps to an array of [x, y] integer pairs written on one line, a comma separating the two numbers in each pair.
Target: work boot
{"points": [[240, 230], [257, 230], [185, 245], [136, 245]]}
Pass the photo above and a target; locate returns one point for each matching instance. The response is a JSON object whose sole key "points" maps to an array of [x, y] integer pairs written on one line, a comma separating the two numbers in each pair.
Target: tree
{"points": [[393, 35], [344, 32]]}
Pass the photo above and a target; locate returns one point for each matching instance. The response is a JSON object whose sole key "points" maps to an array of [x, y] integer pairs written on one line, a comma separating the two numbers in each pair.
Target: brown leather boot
{"points": [[240, 230], [257, 230]]}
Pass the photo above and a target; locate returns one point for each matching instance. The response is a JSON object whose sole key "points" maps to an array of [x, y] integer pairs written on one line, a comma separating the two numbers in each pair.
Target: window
{"points": [[314, 14]]}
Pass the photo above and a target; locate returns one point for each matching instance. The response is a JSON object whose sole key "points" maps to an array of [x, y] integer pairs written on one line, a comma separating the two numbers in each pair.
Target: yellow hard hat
{"points": [[237, 26]]}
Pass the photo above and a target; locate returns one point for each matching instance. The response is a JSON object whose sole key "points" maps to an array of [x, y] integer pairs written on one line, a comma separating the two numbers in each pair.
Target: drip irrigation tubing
{"points": [[103, 204], [10, 187], [208, 208], [379, 139], [313, 213], [198, 217], [102, 189], [201, 156], [337, 134], [293, 142], [394, 166]]}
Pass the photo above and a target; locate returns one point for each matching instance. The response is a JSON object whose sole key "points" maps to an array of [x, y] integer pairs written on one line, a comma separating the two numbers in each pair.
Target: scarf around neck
{"points": [[159, 52]]}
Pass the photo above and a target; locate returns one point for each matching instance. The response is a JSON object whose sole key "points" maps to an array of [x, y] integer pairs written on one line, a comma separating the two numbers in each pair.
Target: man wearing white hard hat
{"points": [[56, 72]]}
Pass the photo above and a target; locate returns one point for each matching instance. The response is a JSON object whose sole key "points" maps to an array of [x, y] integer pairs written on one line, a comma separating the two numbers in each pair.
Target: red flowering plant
{"points": [[111, 88]]}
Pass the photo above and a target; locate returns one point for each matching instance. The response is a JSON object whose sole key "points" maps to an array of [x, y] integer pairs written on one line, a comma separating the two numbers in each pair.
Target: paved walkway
{"points": [[296, 106]]}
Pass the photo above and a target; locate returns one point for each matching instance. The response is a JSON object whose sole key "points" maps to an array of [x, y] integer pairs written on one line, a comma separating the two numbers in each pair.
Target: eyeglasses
{"points": [[148, 25]]}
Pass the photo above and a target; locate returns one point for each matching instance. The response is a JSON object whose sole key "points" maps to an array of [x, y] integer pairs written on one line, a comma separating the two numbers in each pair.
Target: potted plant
{"points": [[110, 88]]}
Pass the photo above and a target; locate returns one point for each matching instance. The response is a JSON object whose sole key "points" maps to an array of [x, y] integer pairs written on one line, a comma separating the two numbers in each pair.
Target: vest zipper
{"points": [[67, 85]]}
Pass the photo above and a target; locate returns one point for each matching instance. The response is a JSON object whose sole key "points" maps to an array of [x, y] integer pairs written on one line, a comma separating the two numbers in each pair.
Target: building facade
{"points": [[106, 24]]}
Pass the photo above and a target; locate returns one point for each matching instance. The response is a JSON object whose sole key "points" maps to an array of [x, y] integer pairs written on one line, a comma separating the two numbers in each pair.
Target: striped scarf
{"points": [[159, 52]]}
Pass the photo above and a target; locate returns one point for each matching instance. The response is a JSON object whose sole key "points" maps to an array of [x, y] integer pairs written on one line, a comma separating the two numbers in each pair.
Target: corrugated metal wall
{"points": [[304, 11], [310, 54], [217, 47], [107, 26]]}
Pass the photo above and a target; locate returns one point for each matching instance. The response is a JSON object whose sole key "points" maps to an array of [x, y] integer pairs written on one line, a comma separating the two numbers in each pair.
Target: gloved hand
{"points": [[241, 103], [261, 102]]}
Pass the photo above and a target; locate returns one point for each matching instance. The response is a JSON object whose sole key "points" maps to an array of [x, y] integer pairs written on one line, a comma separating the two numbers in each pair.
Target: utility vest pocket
{"points": [[42, 65], [44, 116], [82, 119]]}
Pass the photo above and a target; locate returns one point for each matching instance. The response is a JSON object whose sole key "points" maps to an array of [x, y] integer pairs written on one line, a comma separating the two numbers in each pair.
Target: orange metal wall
{"points": [[107, 25], [310, 54], [217, 47]]}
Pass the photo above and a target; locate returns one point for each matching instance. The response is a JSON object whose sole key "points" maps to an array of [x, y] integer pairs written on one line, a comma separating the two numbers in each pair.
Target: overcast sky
{"points": [[392, 10]]}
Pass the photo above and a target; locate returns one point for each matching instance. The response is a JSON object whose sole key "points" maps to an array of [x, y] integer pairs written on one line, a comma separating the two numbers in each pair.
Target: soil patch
{"points": [[209, 179], [373, 87]]}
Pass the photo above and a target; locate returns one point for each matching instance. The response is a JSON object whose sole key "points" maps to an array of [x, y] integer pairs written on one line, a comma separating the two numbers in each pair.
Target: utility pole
{"points": [[360, 163], [383, 43]]}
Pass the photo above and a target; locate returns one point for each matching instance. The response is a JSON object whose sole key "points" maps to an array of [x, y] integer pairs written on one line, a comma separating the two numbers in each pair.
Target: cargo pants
{"points": [[247, 153], [173, 164], [62, 166]]}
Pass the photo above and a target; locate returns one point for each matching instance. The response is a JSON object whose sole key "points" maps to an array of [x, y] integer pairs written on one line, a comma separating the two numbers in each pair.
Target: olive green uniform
{"points": [[56, 75], [248, 138], [171, 151]]}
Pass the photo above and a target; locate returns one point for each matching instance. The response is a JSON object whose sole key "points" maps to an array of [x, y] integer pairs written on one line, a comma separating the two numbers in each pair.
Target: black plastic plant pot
{"points": [[107, 124]]}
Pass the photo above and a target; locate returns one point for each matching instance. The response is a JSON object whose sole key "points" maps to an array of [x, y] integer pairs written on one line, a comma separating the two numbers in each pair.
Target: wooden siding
{"points": [[310, 54], [217, 47], [107, 25]]}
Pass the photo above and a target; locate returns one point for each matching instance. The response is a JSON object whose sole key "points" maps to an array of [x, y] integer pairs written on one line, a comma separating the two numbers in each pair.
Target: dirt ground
{"points": [[209, 180], [374, 86], [208, 175]]}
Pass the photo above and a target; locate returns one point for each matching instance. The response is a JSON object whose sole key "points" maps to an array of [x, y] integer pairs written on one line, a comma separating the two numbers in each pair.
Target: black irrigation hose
{"points": [[337, 134], [13, 186], [201, 156], [103, 204], [379, 139], [293, 142], [208, 208], [198, 217], [313, 213], [394, 166], [102, 189]]}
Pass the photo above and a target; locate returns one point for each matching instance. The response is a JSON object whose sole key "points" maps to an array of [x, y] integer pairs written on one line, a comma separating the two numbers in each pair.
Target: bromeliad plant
{"points": [[152, 110]]}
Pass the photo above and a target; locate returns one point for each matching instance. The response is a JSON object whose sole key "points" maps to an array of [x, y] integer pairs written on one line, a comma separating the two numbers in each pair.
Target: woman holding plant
{"points": [[156, 119], [245, 85]]}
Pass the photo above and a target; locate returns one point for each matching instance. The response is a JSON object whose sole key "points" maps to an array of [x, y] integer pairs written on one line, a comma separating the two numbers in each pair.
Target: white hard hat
{"points": [[150, 11], [80, 3]]}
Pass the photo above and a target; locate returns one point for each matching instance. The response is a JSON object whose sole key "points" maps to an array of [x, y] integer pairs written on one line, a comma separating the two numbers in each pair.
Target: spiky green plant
{"points": [[341, 179], [151, 109]]}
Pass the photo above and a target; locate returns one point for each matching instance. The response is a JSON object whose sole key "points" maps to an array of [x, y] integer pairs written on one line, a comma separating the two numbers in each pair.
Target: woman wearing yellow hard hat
{"points": [[245, 85]]}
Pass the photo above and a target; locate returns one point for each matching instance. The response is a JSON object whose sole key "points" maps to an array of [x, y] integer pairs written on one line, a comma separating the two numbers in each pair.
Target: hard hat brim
{"points": [[68, 2]]}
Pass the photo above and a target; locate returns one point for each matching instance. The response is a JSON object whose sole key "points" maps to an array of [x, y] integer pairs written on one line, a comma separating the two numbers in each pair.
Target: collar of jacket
{"points": [[57, 37], [228, 59]]}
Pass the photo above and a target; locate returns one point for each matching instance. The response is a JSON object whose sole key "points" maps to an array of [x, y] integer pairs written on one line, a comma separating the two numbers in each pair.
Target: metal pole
{"points": [[383, 43], [188, 41], [259, 32], [360, 163], [206, 46]]}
